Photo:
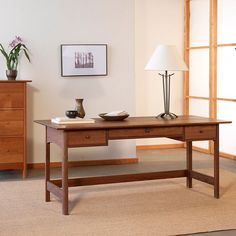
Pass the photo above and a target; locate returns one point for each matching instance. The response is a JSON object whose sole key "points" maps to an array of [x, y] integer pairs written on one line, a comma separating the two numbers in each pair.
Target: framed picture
{"points": [[83, 60]]}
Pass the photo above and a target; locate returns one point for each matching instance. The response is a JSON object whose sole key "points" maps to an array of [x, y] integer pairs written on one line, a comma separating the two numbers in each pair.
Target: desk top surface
{"points": [[135, 122]]}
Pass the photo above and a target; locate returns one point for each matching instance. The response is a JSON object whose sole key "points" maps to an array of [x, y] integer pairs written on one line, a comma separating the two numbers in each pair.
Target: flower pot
{"points": [[11, 74]]}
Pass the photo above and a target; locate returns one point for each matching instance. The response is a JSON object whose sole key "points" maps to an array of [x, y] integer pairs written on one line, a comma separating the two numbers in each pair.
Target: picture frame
{"points": [[83, 60]]}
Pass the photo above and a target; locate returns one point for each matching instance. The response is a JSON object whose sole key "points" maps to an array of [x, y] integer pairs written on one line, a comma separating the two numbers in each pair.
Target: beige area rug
{"points": [[161, 207]]}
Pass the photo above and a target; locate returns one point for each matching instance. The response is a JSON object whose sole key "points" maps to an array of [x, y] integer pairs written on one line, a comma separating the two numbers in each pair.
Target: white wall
{"points": [[44, 25], [157, 22]]}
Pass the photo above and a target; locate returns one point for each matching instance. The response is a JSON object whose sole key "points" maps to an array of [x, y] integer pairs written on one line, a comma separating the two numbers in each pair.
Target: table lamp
{"points": [[166, 58]]}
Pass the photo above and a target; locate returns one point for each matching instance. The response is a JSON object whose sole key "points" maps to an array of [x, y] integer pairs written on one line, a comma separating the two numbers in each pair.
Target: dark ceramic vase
{"points": [[11, 74], [80, 108]]}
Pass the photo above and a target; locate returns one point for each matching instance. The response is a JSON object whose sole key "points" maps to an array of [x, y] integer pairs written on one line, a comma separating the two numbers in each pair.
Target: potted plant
{"points": [[12, 58]]}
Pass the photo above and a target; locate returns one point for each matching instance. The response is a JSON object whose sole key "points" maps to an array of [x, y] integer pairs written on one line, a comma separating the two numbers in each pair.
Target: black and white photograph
{"points": [[83, 60]]}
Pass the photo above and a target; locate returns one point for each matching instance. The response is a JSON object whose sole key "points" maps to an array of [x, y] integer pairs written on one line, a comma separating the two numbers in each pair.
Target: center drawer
{"points": [[87, 138], [171, 132]]}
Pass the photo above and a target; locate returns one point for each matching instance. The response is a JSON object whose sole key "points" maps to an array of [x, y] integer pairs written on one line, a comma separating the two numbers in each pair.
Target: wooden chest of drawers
{"points": [[13, 125]]}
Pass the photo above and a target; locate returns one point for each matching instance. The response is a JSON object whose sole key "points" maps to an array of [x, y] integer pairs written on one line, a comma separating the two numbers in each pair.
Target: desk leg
{"points": [[65, 179], [47, 171], [189, 157], [216, 164]]}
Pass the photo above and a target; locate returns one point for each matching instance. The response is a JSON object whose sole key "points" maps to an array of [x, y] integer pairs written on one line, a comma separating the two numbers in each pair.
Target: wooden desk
{"points": [[184, 128]]}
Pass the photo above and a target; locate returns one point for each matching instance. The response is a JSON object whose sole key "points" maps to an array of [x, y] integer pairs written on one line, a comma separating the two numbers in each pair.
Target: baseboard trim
{"points": [[160, 146], [203, 150], [222, 154], [14, 166], [121, 161], [227, 155]]}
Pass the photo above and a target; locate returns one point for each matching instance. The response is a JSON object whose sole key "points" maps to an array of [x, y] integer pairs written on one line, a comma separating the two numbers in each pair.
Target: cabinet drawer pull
{"points": [[87, 137]]}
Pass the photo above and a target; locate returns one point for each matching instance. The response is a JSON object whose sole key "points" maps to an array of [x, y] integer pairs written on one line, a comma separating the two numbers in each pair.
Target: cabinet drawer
{"points": [[11, 150], [172, 132], [200, 132], [87, 138], [12, 95], [11, 128], [11, 122], [11, 115]]}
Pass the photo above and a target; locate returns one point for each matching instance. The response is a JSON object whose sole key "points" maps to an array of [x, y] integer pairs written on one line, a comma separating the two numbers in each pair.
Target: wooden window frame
{"points": [[212, 68]]}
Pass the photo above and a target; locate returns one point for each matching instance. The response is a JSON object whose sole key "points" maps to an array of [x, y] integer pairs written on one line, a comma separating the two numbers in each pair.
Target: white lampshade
{"points": [[166, 57]]}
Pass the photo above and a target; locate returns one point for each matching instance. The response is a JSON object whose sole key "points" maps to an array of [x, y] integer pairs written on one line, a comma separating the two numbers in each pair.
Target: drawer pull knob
{"points": [[147, 131], [200, 131], [87, 137]]}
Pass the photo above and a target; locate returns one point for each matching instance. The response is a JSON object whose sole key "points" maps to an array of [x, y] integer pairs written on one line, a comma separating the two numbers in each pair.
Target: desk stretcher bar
{"points": [[54, 186]]}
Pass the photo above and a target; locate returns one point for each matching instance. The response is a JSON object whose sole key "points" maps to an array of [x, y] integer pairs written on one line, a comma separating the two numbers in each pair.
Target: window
{"points": [[210, 84]]}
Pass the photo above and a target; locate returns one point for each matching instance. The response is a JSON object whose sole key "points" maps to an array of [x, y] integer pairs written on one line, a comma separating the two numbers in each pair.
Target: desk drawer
{"points": [[172, 132], [200, 132], [87, 138]]}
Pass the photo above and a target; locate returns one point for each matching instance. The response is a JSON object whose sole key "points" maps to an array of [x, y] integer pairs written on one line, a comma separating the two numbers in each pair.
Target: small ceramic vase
{"points": [[79, 107]]}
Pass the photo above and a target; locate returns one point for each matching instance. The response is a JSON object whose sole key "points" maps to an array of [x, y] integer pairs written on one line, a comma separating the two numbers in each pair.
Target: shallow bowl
{"points": [[113, 118]]}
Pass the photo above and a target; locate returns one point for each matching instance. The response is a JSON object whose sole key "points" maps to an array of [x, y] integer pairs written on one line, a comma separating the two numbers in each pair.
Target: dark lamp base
{"points": [[167, 116]]}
